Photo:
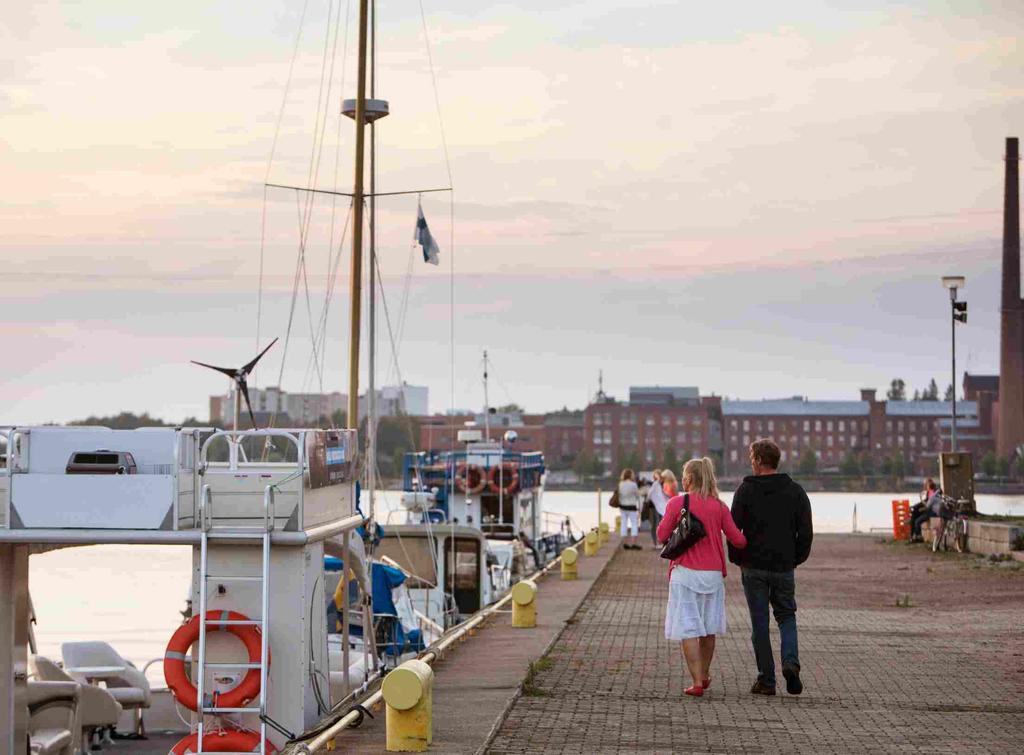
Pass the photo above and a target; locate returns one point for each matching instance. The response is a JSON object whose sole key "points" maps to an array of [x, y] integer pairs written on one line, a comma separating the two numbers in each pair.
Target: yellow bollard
{"points": [[408, 693], [569, 558], [524, 604], [602, 533], [591, 543], [618, 523]]}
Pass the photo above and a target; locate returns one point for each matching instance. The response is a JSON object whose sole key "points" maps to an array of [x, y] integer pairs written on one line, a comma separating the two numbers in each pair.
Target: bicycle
{"points": [[952, 529]]}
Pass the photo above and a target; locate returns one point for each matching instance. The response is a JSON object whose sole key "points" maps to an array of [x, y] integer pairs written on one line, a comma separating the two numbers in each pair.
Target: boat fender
{"points": [[187, 634]]}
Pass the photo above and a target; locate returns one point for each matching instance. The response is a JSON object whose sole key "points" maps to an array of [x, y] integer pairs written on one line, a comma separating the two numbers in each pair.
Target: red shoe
{"points": [[694, 691], [706, 683]]}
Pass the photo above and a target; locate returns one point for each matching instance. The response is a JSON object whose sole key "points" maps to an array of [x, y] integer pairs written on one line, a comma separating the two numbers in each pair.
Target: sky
{"points": [[758, 199]]}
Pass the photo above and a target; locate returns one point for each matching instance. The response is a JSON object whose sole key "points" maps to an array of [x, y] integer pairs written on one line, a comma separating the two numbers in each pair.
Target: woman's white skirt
{"points": [[696, 604]]}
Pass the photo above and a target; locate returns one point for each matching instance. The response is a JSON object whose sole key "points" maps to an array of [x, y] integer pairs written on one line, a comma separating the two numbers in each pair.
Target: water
{"points": [[131, 595]]}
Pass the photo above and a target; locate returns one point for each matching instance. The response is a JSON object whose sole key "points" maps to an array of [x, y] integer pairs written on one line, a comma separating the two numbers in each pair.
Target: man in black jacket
{"points": [[774, 514]]}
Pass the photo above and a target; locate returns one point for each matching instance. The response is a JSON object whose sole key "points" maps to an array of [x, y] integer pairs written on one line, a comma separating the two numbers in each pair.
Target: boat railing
{"points": [[236, 452]]}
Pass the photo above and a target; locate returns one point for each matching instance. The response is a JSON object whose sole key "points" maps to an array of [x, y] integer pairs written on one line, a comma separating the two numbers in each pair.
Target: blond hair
{"points": [[699, 477], [668, 476]]}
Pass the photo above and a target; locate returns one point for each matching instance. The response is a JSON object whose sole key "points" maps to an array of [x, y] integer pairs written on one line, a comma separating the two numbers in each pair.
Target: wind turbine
{"points": [[239, 376]]}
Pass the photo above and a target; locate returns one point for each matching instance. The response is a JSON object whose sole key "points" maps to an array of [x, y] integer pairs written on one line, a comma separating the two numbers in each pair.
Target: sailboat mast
{"points": [[371, 389], [356, 270]]}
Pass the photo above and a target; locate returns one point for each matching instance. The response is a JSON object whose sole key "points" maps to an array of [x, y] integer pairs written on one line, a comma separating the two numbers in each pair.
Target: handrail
{"points": [[427, 656], [234, 437]]}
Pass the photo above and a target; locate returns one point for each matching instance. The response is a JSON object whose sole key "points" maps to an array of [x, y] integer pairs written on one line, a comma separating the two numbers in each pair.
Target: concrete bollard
{"points": [[602, 532], [591, 543], [570, 557], [408, 694], [524, 604]]}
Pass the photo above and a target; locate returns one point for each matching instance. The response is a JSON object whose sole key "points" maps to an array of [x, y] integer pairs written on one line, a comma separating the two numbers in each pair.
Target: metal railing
{"points": [[321, 740]]}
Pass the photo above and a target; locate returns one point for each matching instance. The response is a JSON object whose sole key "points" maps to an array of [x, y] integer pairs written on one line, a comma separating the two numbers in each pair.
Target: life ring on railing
{"points": [[504, 473], [187, 634], [225, 740], [471, 477]]}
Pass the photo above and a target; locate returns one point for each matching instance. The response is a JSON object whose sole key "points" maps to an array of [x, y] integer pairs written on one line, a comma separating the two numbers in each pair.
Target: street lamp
{"points": [[958, 310]]}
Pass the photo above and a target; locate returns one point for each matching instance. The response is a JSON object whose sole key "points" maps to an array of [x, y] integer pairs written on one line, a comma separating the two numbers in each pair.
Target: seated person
{"points": [[931, 507]]}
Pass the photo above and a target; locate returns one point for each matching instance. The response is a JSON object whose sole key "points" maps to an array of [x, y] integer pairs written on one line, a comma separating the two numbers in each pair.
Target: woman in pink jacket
{"points": [[696, 591]]}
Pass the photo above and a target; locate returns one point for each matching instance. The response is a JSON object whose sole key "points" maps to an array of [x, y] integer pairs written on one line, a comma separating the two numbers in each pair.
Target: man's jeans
{"points": [[778, 590], [655, 521]]}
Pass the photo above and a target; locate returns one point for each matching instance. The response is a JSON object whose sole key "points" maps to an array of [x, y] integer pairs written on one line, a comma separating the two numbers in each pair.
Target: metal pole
{"points": [[952, 321], [356, 273], [345, 611], [487, 404], [371, 391]]}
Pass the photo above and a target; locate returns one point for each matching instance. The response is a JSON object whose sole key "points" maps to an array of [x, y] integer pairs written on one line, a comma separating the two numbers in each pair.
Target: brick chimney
{"points": [[1011, 352]]}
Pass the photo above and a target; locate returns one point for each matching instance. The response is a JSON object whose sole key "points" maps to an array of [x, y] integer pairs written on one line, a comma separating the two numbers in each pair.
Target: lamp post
{"points": [[958, 312]]}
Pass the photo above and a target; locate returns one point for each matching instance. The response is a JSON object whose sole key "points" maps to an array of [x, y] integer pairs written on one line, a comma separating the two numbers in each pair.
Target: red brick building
{"points": [[911, 431], [654, 420]]}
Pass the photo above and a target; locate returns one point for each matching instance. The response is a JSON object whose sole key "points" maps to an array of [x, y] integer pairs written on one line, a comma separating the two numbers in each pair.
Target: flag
{"points": [[424, 239]]}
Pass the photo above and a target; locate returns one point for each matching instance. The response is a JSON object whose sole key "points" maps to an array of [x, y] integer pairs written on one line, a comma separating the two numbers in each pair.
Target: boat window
{"points": [[415, 557], [463, 580], [496, 511]]}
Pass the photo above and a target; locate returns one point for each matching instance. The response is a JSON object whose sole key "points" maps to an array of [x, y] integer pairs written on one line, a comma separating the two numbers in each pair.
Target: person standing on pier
{"points": [[658, 499], [775, 515], [629, 506], [696, 592]]}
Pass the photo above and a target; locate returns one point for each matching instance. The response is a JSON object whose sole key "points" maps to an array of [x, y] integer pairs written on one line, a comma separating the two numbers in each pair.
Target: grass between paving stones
{"points": [[530, 688]]}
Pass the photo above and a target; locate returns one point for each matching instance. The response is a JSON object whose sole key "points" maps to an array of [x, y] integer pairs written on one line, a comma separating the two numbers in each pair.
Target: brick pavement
{"points": [[945, 675], [478, 678]]}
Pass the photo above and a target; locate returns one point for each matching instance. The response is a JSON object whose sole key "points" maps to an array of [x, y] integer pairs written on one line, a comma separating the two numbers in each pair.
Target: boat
{"points": [[299, 600]]}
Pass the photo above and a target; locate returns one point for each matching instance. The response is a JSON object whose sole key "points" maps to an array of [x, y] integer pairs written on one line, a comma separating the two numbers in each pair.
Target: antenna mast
{"points": [[487, 404]]}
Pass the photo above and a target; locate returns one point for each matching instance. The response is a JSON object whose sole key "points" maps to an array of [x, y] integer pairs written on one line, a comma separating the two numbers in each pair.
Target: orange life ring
{"points": [[507, 473], [471, 474], [225, 740], [187, 634]]}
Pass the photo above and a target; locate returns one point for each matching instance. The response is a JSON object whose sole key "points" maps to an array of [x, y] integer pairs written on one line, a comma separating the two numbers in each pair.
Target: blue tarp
{"points": [[384, 579]]}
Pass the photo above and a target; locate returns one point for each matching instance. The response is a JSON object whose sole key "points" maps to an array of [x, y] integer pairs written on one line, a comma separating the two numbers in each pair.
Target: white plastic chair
{"points": [[97, 708], [53, 717], [98, 661]]}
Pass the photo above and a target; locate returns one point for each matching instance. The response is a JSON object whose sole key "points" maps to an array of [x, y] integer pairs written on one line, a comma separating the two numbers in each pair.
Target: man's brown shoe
{"points": [[760, 688]]}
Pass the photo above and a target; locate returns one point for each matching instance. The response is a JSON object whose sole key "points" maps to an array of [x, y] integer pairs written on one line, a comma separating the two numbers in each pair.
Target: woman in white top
{"points": [[629, 506], [658, 501]]}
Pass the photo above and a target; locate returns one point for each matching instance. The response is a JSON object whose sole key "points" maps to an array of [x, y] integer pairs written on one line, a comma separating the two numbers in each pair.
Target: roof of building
{"points": [[930, 408], [796, 407], [564, 419], [662, 394], [987, 383]]}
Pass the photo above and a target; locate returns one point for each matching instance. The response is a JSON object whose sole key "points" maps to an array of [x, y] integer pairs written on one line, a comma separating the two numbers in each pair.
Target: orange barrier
{"points": [[901, 520]]}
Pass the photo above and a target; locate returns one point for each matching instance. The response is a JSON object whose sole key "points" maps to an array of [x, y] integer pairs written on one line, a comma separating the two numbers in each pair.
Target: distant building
{"points": [[655, 421], [285, 409], [439, 432], [394, 400], [914, 430], [563, 437]]}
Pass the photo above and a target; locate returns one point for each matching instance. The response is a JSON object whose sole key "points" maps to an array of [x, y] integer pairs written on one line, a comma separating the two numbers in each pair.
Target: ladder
{"points": [[210, 534]]}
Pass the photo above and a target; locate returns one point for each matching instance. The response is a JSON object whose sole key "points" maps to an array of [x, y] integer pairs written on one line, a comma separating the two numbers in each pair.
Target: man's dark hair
{"points": [[765, 453], [930, 484]]}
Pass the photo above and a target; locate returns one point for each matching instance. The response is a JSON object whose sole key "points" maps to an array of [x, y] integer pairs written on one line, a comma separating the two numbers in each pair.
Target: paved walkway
{"points": [[479, 678], [944, 675]]}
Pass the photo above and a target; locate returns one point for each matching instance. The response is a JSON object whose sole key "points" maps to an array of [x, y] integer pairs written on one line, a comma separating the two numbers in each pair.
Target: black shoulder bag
{"points": [[688, 531]]}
